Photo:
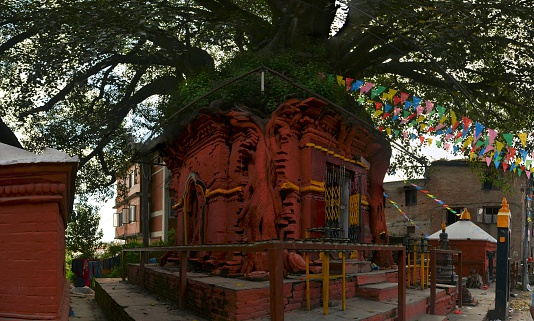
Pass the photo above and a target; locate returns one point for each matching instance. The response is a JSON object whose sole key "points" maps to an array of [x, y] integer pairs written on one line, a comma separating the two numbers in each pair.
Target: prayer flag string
{"points": [[427, 193], [430, 123], [400, 210]]}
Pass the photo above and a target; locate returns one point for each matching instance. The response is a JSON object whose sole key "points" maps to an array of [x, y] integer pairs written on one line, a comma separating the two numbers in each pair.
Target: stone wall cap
{"points": [[11, 155]]}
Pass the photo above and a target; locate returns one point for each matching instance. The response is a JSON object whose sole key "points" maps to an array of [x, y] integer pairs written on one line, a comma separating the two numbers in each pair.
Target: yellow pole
{"points": [[412, 270], [414, 274], [422, 270], [326, 281], [408, 269]]}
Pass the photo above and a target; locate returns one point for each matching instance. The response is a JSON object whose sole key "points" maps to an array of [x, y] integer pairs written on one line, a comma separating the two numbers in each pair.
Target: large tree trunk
{"points": [[299, 24], [377, 221]]}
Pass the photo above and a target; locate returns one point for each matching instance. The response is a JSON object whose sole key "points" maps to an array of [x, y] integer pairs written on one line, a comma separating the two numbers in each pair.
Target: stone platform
{"points": [[220, 298]]}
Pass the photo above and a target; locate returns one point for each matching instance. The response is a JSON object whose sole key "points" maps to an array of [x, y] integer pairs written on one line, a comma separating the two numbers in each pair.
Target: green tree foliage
{"points": [[90, 77], [131, 257], [111, 250], [69, 275], [83, 235]]}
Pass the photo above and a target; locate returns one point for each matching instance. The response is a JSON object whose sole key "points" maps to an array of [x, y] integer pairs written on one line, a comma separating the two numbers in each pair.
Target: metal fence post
{"points": [[401, 277], [124, 265], [276, 284], [183, 279]]}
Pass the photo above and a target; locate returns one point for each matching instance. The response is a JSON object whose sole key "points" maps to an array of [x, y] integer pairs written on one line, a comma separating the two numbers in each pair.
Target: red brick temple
{"points": [[36, 195], [309, 174], [477, 246], [240, 178]]}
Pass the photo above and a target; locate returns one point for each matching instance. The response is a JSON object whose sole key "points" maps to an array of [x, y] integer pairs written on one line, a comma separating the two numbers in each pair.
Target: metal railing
{"points": [[433, 274], [418, 261], [275, 251]]}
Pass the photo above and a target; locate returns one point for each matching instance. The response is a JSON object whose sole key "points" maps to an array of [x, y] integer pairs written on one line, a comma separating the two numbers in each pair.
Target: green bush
{"points": [[133, 257], [69, 275], [115, 273], [112, 250], [304, 70], [116, 249]]}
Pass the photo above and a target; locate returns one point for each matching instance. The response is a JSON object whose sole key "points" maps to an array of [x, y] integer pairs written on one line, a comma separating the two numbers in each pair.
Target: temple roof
{"points": [[13, 155], [7, 136], [464, 229]]}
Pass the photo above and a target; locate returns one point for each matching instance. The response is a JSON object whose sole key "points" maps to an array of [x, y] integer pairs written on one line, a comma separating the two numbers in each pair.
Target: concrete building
{"points": [[459, 186], [131, 215]]}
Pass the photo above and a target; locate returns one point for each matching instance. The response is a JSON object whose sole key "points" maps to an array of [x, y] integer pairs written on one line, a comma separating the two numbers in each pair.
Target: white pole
{"points": [[263, 82]]}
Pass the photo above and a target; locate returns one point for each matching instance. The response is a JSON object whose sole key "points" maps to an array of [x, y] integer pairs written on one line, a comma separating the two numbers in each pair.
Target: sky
{"points": [[432, 152], [106, 220]]}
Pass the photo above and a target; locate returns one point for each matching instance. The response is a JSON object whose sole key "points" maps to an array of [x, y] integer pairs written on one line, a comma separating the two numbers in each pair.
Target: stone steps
{"points": [[378, 291], [129, 302], [371, 296]]}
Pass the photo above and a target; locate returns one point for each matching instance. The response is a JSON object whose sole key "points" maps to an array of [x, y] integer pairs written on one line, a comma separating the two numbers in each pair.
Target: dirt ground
{"points": [[520, 306]]}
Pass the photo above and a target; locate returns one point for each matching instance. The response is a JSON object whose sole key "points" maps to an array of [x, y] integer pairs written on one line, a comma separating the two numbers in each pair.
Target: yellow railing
{"points": [[418, 259]]}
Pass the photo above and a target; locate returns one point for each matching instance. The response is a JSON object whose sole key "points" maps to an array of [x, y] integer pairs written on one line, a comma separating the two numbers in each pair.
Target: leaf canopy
{"points": [[91, 77], [83, 237]]}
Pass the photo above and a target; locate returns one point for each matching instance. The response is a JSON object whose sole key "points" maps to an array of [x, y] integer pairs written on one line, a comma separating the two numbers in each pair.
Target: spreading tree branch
{"points": [[13, 41], [76, 80], [161, 86]]}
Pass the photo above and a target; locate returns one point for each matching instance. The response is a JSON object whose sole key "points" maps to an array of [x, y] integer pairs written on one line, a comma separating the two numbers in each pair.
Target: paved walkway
{"points": [[486, 302], [519, 306], [83, 305], [85, 308]]}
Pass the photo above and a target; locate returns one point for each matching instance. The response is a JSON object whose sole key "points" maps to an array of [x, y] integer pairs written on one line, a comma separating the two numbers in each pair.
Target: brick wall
{"points": [[445, 301], [32, 242], [217, 302], [473, 256], [454, 183], [112, 310], [36, 196]]}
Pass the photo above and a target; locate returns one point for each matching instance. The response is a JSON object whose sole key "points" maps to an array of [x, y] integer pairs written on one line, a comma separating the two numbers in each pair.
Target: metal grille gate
{"points": [[342, 205]]}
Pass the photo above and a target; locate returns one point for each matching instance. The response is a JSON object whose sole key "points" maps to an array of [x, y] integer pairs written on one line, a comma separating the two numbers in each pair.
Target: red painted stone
{"points": [[473, 256], [239, 178], [35, 199]]}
